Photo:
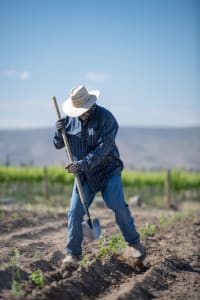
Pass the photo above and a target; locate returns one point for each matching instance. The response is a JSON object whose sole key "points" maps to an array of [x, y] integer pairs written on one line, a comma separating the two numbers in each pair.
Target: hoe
{"points": [[91, 228]]}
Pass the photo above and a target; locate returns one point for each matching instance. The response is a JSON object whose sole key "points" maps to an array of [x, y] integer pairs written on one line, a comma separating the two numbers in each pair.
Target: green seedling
{"points": [[84, 261], [179, 216], [14, 261], [18, 287], [164, 221], [16, 253], [147, 230], [16, 215], [2, 214], [37, 277], [30, 207], [114, 245]]}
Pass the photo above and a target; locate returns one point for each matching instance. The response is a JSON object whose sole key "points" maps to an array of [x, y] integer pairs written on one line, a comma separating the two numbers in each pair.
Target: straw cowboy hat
{"points": [[80, 101]]}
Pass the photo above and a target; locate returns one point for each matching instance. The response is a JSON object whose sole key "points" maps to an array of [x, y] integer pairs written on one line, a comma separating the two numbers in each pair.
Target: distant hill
{"points": [[149, 148]]}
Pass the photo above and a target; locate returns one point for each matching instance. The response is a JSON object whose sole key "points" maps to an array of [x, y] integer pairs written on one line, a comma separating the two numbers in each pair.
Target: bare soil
{"points": [[35, 239]]}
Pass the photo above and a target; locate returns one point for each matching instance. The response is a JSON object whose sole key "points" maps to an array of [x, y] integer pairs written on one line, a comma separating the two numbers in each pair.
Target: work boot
{"points": [[135, 250], [71, 260]]}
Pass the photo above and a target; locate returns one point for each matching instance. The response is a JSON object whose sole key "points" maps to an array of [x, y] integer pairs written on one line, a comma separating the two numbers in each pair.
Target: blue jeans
{"points": [[114, 199]]}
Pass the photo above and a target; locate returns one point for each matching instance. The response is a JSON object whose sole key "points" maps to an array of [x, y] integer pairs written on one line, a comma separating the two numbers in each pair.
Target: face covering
{"points": [[85, 117]]}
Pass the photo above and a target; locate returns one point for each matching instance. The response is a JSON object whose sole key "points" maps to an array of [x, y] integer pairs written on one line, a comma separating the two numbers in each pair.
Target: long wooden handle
{"points": [[70, 158], [67, 147]]}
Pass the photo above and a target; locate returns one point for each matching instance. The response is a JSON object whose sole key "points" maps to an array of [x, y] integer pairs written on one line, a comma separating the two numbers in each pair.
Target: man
{"points": [[91, 131]]}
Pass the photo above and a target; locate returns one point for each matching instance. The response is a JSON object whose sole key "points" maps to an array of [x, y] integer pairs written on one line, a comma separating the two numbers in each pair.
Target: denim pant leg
{"points": [[114, 197], [75, 218]]}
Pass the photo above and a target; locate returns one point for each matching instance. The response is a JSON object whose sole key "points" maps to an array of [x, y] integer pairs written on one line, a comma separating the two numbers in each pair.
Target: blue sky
{"points": [[143, 55]]}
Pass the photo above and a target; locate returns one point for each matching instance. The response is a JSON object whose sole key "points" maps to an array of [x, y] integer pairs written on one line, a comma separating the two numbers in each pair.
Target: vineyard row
{"points": [[179, 179]]}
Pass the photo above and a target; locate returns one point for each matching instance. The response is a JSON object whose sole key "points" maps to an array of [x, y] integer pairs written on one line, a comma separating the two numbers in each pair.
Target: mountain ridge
{"points": [[140, 147]]}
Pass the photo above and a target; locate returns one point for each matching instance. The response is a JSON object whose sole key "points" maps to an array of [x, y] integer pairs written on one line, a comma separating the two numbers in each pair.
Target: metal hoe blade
{"points": [[93, 233]]}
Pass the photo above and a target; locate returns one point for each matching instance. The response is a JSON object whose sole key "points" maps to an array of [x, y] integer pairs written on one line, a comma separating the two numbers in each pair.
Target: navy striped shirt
{"points": [[93, 144]]}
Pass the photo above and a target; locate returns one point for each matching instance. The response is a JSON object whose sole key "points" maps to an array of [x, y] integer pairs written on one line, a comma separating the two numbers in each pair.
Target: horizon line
{"points": [[120, 126]]}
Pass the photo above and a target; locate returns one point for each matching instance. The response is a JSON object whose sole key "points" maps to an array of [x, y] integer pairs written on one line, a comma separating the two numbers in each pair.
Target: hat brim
{"points": [[70, 110]]}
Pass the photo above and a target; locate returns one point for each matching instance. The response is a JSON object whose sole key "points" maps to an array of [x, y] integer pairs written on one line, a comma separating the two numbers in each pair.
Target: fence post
{"points": [[46, 183], [168, 188]]}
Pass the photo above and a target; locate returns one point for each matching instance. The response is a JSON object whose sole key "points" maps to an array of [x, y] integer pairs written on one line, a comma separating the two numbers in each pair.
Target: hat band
{"points": [[77, 102]]}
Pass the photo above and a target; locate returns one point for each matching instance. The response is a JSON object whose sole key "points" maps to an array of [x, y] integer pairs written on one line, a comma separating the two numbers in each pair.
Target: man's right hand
{"points": [[60, 124]]}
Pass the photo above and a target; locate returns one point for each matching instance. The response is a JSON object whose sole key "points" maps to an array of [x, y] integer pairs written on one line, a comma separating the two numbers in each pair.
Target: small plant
{"points": [[16, 215], [84, 261], [16, 253], [181, 215], [146, 230], [14, 263], [164, 221], [114, 245], [37, 277], [178, 216], [18, 287], [2, 214]]}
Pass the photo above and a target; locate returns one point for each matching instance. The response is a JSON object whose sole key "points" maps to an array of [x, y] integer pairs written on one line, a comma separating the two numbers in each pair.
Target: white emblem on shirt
{"points": [[90, 131]]}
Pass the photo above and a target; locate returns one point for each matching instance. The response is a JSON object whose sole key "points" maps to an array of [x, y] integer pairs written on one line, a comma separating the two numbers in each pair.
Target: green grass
{"points": [[84, 261]]}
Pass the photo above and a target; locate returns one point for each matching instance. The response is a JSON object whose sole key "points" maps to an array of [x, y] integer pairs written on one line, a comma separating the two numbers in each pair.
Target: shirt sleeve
{"points": [[105, 143]]}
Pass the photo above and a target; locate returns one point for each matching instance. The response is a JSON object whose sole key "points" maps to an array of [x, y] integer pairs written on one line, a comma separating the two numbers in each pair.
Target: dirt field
{"points": [[34, 239]]}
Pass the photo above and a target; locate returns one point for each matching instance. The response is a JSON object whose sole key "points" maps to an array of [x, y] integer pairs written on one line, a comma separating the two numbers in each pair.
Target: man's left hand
{"points": [[74, 167]]}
